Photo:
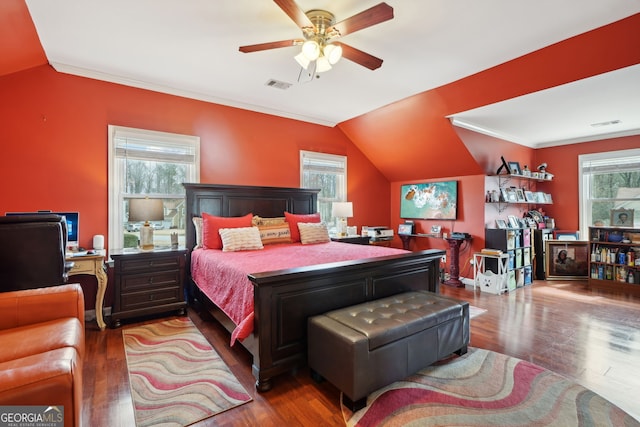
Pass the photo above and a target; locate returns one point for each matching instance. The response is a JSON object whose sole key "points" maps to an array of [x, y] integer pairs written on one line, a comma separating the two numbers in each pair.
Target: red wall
{"points": [[53, 131]]}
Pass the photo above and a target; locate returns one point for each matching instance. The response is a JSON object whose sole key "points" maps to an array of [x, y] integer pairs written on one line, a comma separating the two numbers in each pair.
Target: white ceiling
{"points": [[190, 48]]}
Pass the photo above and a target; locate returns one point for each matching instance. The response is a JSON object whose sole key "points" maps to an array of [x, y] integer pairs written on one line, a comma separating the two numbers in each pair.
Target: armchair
{"points": [[32, 251], [42, 336]]}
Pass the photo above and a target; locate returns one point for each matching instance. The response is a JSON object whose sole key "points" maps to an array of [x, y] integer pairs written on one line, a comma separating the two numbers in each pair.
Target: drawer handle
{"points": [[150, 263], [151, 297], [151, 280]]}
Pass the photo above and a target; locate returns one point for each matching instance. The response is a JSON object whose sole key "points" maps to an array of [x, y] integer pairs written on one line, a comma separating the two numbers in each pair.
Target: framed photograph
{"points": [[514, 168], [501, 223], [567, 260], [539, 197], [429, 200], [547, 198], [622, 217], [435, 229], [405, 229], [514, 222], [520, 195], [512, 197], [504, 195], [529, 196]]}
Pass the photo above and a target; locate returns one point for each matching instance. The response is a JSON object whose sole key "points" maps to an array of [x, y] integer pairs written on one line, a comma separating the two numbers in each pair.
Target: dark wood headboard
{"points": [[238, 200]]}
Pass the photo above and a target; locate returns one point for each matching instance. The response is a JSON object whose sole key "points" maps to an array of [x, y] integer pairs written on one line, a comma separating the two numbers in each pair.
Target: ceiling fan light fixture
{"points": [[311, 49], [322, 65], [333, 53], [302, 59]]}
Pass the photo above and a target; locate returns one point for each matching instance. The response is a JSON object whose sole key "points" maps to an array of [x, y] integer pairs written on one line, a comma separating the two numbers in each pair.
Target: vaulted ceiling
{"points": [[429, 47]]}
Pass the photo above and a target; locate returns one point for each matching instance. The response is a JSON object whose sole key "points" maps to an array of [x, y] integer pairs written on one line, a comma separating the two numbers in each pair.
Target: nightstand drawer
{"points": [[149, 281], [151, 264], [158, 297]]}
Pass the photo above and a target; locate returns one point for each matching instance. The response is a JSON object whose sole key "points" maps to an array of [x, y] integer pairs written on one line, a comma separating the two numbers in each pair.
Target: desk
{"points": [[407, 238], [92, 265], [454, 267]]}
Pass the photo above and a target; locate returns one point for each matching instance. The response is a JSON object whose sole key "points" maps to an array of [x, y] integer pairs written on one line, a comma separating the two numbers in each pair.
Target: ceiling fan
{"points": [[319, 31]]}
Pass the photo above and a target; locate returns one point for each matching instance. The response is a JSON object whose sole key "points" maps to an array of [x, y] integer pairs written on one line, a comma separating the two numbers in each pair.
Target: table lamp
{"points": [[146, 210], [341, 211]]}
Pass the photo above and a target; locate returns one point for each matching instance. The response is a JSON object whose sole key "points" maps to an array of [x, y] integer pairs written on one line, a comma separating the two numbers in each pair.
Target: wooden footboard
{"points": [[285, 299]]}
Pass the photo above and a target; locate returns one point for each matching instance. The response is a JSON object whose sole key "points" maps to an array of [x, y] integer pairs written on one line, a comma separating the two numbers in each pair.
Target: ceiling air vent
{"points": [[278, 84]]}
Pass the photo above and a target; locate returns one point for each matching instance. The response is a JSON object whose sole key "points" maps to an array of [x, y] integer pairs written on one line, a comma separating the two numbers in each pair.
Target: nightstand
{"points": [[356, 240], [148, 282]]}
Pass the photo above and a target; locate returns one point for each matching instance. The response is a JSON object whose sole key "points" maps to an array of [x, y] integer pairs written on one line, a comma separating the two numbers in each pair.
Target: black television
{"points": [[72, 219], [429, 200]]}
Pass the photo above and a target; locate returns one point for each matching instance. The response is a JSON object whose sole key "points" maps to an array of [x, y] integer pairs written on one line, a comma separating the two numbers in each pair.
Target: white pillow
{"points": [[197, 223], [240, 239], [313, 232]]}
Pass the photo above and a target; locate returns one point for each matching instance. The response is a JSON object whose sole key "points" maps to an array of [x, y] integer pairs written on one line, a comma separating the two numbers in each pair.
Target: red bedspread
{"points": [[222, 276]]}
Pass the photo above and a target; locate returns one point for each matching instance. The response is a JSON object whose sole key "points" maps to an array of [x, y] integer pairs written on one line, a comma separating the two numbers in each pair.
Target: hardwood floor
{"points": [[591, 338]]}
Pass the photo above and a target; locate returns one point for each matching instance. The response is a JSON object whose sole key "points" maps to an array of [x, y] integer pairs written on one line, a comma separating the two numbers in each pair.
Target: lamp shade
{"points": [[146, 210], [342, 210]]}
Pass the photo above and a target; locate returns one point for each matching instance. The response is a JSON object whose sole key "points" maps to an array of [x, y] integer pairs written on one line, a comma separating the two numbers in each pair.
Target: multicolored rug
{"points": [[176, 377], [483, 388]]}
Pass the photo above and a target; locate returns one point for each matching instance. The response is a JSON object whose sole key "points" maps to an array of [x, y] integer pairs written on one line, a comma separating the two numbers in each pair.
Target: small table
{"points": [[454, 269], [479, 268], [92, 265]]}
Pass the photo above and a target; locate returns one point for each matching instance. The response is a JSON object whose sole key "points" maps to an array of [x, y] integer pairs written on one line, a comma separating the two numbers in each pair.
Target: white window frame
{"points": [[584, 189], [340, 163], [117, 172]]}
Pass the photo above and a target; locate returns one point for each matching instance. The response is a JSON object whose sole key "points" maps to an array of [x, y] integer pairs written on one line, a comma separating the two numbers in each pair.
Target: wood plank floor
{"points": [[591, 338]]}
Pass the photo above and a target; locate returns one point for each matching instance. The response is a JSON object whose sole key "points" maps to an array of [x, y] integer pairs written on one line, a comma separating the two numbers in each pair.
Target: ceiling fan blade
{"points": [[360, 57], [295, 13], [367, 18], [270, 45]]}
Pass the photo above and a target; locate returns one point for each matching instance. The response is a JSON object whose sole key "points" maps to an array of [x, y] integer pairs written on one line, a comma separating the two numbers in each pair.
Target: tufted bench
{"points": [[362, 348]]}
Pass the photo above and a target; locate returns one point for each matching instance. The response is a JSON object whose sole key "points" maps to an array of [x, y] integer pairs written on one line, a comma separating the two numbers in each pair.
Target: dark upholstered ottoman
{"points": [[362, 348]]}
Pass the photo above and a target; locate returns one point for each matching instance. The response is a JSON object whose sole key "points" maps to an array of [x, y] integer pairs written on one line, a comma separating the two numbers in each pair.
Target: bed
{"points": [[284, 299]]}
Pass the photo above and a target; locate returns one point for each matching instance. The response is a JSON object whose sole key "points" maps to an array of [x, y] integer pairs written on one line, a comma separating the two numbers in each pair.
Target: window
{"points": [[145, 163], [328, 172], [608, 181]]}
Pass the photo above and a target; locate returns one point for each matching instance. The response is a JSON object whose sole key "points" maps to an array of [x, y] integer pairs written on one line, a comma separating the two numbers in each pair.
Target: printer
{"points": [[377, 233]]}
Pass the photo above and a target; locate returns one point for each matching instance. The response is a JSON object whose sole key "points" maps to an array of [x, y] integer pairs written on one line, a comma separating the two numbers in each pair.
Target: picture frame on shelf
{"points": [[406, 228], [513, 221], [514, 168], [529, 196], [622, 217], [501, 223], [520, 195], [539, 197], [567, 260], [548, 198], [512, 197], [504, 195], [436, 229]]}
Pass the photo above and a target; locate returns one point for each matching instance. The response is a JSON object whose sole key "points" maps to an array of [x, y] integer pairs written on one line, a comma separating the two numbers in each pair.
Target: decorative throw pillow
{"points": [[258, 221], [211, 224], [313, 232], [240, 239], [294, 219], [278, 233], [197, 223]]}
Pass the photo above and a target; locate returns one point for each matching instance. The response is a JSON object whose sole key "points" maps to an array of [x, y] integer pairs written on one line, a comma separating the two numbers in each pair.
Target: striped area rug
{"points": [[484, 388], [176, 377]]}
